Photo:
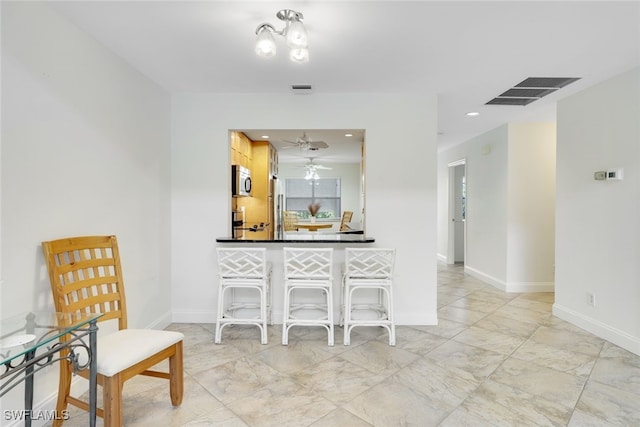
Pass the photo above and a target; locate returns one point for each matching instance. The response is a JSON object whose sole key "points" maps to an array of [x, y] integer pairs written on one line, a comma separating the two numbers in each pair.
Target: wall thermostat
{"points": [[614, 174], [610, 175]]}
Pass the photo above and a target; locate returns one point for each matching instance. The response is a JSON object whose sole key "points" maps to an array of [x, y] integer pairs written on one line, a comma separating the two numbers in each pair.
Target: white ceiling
{"points": [[465, 52], [342, 148]]}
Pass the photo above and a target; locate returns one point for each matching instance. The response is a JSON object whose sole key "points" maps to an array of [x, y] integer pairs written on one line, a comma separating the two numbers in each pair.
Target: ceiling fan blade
{"points": [[318, 144]]}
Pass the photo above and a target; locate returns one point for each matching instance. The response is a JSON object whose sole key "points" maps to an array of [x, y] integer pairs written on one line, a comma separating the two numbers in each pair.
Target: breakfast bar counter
{"points": [[305, 238], [274, 255]]}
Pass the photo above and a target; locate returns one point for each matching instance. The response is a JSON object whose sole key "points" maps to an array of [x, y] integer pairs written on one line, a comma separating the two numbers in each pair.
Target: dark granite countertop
{"points": [[305, 238]]}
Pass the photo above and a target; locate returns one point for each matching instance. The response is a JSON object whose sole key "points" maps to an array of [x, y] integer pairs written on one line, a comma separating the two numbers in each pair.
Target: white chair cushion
{"points": [[121, 349]]}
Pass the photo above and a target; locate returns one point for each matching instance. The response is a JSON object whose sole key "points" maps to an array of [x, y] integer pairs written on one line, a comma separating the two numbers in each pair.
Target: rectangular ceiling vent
{"points": [[301, 89], [531, 89]]}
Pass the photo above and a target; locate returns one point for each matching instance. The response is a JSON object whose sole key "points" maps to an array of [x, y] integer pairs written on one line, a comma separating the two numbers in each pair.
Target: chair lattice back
{"points": [[373, 263], [308, 263], [86, 277], [245, 263]]}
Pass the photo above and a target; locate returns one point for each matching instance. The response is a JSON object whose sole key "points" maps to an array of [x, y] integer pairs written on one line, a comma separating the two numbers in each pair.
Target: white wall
{"points": [[531, 207], [486, 175], [396, 155], [598, 222], [85, 150]]}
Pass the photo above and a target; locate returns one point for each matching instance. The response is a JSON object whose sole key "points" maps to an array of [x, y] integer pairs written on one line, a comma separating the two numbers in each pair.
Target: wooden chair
{"points": [[290, 220], [86, 277], [346, 217]]}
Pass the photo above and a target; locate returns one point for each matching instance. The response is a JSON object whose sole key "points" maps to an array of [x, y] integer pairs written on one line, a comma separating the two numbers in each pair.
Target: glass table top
{"points": [[24, 332]]}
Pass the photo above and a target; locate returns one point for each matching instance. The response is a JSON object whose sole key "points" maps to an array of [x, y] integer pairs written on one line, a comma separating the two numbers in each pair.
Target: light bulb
{"points": [[265, 44], [296, 35], [299, 55]]}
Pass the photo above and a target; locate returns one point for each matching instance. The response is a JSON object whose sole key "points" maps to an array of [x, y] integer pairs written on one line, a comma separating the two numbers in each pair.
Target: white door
{"points": [[457, 211]]}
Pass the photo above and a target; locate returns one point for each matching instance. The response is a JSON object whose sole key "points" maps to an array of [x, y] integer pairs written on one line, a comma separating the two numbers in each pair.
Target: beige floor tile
{"points": [[394, 404], [494, 359], [581, 342], [474, 360], [602, 405], [337, 380], [507, 326], [237, 379], [296, 356], [542, 382], [282, 404], [378, 357], [490, 340], [340, 417], [460, 315], [495, 404]]}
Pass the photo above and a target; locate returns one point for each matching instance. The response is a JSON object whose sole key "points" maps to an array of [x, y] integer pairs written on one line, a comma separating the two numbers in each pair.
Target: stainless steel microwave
{"points": [[240, 181]]}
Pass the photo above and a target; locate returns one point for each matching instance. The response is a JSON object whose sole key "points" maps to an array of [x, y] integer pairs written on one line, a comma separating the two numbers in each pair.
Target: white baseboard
{"points": [[510, 286], [485, 278], [596, 327], [531, 287], [161, 322], [442, 258]]}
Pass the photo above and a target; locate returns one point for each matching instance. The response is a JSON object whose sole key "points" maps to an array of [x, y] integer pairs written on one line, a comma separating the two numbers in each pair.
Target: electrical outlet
{"points": [[591, 299]]}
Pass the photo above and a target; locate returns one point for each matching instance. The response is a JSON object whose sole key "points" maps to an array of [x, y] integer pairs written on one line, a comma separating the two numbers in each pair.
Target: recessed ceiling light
{"points": [[348, 135], [265, 136], [473, 114]]}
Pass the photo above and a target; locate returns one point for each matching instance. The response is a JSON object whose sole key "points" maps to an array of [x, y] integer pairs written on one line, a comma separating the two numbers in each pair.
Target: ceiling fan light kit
{"points": [[294, 32]]}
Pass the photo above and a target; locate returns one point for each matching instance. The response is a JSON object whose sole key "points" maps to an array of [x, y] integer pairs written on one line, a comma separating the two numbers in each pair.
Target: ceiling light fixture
{"points": [[473, 114], [294, 32], [312, 174]]}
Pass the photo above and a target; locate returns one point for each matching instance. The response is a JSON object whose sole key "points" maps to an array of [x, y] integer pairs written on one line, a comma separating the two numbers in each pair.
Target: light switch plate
{"points": [[600, 175]]}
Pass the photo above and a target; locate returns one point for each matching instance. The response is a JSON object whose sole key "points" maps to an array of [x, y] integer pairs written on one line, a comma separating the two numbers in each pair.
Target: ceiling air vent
{"points": [[531, 89], [301, 89]]}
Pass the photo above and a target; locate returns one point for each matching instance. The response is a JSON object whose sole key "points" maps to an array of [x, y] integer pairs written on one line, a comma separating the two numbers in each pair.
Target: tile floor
{"points": [[495, 359]]}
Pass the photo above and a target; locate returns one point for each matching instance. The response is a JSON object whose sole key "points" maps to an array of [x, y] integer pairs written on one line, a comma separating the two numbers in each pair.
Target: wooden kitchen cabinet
{"points": [[241, 150], [263, 169], [262, 159]]}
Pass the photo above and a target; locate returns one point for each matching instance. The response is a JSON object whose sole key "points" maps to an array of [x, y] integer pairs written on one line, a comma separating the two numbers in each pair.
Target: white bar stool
{"points": [[243, 268], [307, 269], [368, 268]]}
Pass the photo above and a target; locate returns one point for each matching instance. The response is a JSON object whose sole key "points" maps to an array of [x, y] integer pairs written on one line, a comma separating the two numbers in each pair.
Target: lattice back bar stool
{"points": [[307, 270], [243, 269], [368, 268]]}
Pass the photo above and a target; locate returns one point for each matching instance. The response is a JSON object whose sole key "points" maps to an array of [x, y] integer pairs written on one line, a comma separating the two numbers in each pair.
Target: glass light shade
{"points": [[265, 44], [299, 55], [297, 35]]}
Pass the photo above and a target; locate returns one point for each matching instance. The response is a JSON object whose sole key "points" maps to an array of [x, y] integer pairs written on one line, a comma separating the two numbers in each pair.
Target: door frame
{"points": [[451, 235]]}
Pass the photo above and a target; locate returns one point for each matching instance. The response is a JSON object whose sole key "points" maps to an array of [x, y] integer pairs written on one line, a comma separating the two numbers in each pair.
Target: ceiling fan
{"points": [[314, 166], [305, 143], [312, 169]]}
